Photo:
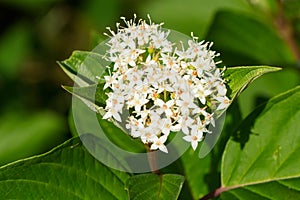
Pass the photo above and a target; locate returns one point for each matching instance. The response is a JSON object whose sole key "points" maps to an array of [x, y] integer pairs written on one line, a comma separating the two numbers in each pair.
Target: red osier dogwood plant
{"points": [[165, 89], [152, 110]]}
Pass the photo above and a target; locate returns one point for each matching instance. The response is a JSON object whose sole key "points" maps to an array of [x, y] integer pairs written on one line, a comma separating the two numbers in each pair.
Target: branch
{"points": [[286, 30], [152, 159], [215, 193]]}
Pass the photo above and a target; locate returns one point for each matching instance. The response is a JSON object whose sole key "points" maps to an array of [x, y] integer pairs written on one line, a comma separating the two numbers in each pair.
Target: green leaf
{"points": [[263, 89], [196, 15], [251, 42], [262, 160], [27, 134], [14, 48], [238, 78], [113, 131], [198, 173], [120, 138], [205, 172], [93, 93], [84, 67], [66, 172], [152, 186]]}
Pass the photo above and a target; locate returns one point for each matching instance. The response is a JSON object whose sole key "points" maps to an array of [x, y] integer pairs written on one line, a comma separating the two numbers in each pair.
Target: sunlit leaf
{"points": [[83, 67], [66, 172], [261, 161], [93, 93], [266, 87], [152, 186], [238, 78]]}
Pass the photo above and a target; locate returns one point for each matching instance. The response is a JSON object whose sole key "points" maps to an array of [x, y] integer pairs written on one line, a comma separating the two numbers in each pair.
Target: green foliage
{"points": [[93, 93], [152, 186], [264, 153], [14, 47], [196, 15], [204, 171], [119, 137], [83, 67], [267, 86], [238, 78], [66, 172], [237, 42], [197, 173], [24, 134], [254, 158]]}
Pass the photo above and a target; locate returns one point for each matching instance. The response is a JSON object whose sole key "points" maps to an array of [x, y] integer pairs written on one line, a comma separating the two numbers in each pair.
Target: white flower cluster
{"points": [[163, 89]]}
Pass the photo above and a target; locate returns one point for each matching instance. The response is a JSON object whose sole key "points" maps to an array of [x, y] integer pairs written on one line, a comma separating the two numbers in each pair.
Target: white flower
{"points": [[224, 102], [186, 103], [133, 77], [221, 89], [199, 127], [185, 123], [165, 107], [134, 124], [114, 105], [210, 120], [170, 61], [128, 42], [155, 119], [194, 139], [201, 92], [201, 64], [200, 111], [167, 126], [137, 102], [144, 113], [158, 143], [148, 135], [150, 63], [110, 80], [112, 112]]}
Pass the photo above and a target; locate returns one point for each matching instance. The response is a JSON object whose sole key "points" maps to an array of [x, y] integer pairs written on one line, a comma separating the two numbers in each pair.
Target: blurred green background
{"points": [[35, 34]]}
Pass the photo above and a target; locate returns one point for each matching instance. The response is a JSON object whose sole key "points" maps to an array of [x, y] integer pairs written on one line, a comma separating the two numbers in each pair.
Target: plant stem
{"points": [[152, 159], [215, 193], [286, 31]]}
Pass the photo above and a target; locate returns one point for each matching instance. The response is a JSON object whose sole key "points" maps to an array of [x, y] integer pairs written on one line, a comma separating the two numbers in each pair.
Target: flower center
{"points": [[195, 138]]}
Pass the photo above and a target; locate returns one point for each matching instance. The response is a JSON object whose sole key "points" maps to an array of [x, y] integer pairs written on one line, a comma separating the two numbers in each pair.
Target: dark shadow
{"points": [[242, 133], [233, 119]]}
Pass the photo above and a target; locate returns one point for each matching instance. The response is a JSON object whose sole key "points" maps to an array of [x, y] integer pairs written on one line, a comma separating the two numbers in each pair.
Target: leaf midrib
{"points": [[261, 181]]}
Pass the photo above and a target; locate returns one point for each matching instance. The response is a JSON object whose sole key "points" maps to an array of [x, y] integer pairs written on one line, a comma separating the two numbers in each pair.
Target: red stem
{"points": [[152, 159], [286, 30], [215, 193]]}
